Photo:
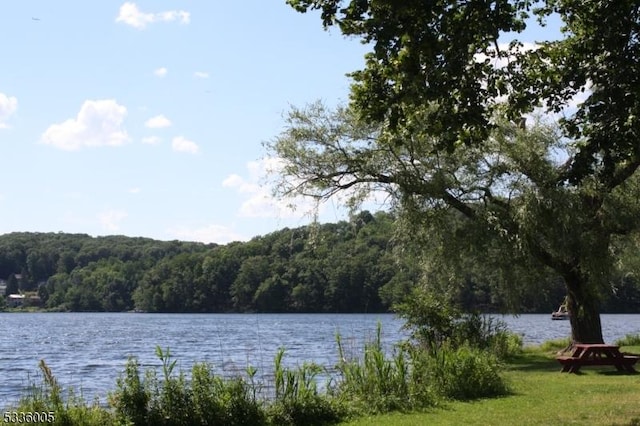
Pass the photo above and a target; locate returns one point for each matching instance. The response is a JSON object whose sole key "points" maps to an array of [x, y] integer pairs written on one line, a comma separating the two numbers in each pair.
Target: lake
{"points": [[89, 350]]}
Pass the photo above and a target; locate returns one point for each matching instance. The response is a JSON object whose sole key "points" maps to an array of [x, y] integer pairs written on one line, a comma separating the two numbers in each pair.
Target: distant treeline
{"points": [[349, 266]]}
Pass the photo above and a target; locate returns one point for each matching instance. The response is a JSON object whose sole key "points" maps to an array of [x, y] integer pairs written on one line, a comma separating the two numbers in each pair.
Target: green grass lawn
{"points": [[541, 395]]}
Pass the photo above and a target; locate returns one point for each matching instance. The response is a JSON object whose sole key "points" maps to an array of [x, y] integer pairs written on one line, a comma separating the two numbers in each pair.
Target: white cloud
{"points": [[201, 74], [580, 97], [98, 123], [259, 201], [160, 72], [151, 140], [129, 14], [208, 234], [181, 144], [135, 190], [571, 106], [174, 15], [8, 105], [110, 219], [158, 122], [236, 181], [504, 47]]}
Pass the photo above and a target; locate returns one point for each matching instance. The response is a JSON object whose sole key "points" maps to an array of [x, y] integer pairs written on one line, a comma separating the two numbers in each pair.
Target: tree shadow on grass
{"points": [[617, 373], [533, 362]]}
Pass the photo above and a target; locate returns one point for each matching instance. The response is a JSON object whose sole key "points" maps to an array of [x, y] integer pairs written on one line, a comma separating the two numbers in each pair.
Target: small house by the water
{"points": [[23, 300], [15, 300]]}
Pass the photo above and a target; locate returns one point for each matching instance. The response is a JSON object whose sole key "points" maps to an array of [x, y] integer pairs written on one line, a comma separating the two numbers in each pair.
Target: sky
{"points": [[147, 118]]}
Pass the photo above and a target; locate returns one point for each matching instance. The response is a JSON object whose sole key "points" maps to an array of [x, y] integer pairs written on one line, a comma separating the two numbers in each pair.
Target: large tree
{"points": [[433, 120]]}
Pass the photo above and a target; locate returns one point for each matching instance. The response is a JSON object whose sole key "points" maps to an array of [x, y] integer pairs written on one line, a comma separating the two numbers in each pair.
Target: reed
{"points": [[466, 373], [414, 379], [555, 345], [46, 400], [410, 378], [174, 400], [297, 399], [376, 383], [629, 340]]}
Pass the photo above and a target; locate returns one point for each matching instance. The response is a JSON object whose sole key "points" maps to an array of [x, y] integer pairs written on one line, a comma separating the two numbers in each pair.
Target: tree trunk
{"points": [[584, 311]]}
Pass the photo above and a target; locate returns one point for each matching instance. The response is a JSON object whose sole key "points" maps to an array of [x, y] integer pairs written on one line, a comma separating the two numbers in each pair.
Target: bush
{"points": [[313, 411], [205, 399], [435, 323], [225, 402], [506, 344], [458, 353], [466, 373], [415, 378], [131, 399], [297, 400], [431, 319], [378, 384]]}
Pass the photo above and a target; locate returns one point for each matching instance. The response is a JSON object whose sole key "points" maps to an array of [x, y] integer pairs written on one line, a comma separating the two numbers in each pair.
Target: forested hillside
{"points": [[349, 266]]}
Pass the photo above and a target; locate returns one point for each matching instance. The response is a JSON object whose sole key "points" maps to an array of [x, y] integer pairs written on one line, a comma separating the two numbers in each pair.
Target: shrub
{"points": [[297, 400], [431, 319], [466, 373], [379, 384], [223, 401], [457, 352], [131, 398], [506, 344], [435, 323], [171, 399], [205, 399]]}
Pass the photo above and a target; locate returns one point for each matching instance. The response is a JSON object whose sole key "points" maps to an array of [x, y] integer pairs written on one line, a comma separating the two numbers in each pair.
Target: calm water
{"points": [[88, 350]]}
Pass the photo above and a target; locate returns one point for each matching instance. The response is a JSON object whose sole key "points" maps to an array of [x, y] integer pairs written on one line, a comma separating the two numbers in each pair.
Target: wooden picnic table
{"points": [[596, 354]]}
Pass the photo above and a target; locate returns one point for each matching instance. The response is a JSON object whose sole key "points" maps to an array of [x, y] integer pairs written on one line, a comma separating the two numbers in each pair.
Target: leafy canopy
{"points": [[446, 51], [437, 119]]}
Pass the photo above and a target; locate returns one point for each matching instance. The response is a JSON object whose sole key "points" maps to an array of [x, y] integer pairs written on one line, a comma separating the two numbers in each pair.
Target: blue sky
{"points": [[147, 118]]}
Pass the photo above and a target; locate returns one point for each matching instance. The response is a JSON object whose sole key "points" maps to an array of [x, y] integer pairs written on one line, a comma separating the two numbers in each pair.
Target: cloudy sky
{"points": [[147, 118]]}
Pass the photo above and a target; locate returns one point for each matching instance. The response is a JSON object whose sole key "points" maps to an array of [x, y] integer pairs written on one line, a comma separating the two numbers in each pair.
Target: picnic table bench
{"points": [[597, 354]]}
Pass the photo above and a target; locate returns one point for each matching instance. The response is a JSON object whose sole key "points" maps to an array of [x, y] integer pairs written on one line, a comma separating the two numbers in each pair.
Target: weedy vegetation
{"points": [[411, 378]]}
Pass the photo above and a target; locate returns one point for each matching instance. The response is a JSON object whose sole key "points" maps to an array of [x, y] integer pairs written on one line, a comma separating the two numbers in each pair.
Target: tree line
{"points": [[347, 267]]}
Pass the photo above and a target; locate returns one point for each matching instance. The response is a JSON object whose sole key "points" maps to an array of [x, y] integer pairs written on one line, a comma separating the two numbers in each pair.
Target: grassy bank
{"points": [[540, 395]]}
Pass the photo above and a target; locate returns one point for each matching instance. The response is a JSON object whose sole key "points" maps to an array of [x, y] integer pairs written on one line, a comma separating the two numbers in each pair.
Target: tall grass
{"points": [[377, 383], [67, 408], [414, 379], [629, 340], [435, 324], [557, 345], [297, 399], [466, 373], [174, 401], [410, 378]]}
